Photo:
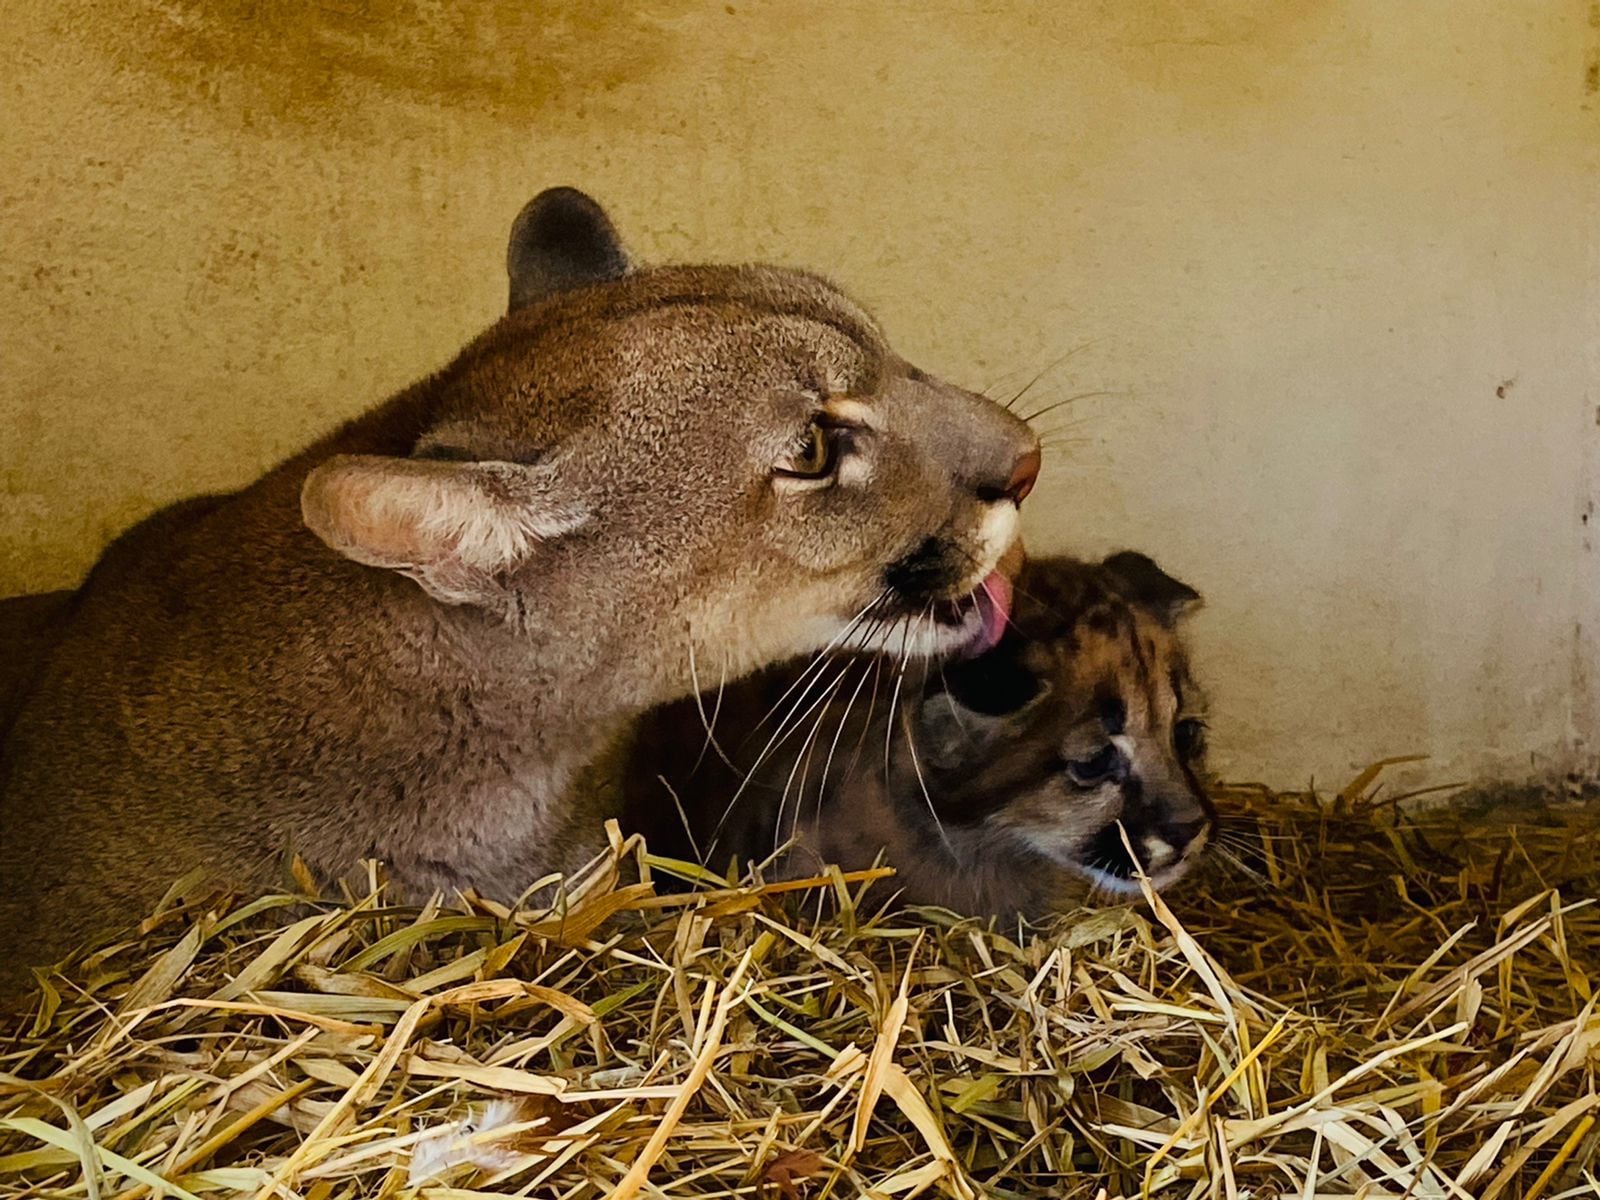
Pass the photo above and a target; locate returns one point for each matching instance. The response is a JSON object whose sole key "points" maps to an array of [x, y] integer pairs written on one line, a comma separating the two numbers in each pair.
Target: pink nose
{"points": [[1024, 476]]}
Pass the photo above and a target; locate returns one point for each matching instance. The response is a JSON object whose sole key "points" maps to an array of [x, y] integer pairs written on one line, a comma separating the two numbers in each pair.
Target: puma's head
{"points": [[1081, 734], [726, 464]]}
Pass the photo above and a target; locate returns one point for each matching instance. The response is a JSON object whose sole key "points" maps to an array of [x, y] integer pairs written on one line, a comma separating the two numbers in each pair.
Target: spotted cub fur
{"points": [[1068, 757]]}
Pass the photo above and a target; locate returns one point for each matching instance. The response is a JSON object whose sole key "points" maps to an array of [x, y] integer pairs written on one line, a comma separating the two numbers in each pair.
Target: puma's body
{"points": [[992, 786], [28, 627], [408, 641]]}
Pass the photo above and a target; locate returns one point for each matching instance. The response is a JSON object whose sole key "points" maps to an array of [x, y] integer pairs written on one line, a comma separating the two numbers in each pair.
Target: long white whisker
{"points": [[916, 766], [866, 725], [1050, 408], [683, 817], [820, 657], [894, 698], [802, 760], [1247, 871], [844, 719], [709, 723], [786, 726]]}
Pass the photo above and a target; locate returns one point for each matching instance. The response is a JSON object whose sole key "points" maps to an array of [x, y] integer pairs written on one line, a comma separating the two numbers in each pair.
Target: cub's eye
{"points": [[1097, 768], [1189, 737], [812, 458]]}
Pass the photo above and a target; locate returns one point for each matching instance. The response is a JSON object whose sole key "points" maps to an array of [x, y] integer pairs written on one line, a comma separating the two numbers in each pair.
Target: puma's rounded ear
{"points": [[453, 527], [1141, 582], [561, 240]]}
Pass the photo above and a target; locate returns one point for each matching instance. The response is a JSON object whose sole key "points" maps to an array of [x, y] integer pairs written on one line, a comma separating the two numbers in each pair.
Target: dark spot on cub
{"points": [[995, 684], [1103, 620]]}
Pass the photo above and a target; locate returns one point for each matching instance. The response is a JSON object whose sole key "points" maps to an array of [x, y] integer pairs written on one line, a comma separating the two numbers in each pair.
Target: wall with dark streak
{"points": [[1332, 263]]}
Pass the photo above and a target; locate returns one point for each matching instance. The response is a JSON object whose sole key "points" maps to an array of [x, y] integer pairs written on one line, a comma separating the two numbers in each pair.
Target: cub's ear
{"points": [[1143, 583], [561, 240], [453, 527], [976, 704]]}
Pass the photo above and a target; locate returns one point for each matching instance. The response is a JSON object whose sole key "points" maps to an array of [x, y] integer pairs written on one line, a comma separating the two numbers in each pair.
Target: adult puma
{"points": [[410, 640]]}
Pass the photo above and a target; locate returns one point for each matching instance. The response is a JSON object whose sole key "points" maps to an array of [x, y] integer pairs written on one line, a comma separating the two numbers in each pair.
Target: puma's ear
{"points": [[561, 240], [1143, 583], [453, 527]]}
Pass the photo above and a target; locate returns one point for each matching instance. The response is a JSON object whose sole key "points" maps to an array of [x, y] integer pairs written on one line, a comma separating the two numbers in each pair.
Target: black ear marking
{"points": [[1143, 583], [995, 684], [561, 240]]}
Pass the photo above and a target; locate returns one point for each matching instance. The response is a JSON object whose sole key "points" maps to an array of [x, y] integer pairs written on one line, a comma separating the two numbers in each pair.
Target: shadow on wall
{"points": [[302, 55], [513, 57]]}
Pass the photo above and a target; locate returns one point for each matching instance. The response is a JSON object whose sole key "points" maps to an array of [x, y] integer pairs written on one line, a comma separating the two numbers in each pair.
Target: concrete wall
{"points": [[1333, 265]]}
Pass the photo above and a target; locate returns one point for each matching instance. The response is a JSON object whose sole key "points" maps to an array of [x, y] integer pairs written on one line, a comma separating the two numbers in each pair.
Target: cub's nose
{"points": [[1170, 841], [1024, 474]]}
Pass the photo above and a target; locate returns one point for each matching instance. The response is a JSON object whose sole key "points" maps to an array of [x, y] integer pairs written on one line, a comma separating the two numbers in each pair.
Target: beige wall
{"points": [[1334, 261]]}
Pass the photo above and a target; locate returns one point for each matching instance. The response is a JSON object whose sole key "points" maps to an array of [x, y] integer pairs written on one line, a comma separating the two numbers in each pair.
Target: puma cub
{"points": [[410, 640], [997, 785]]}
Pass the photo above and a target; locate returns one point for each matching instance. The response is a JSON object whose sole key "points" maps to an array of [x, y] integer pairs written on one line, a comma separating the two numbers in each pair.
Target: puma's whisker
{"points": [[1051, 366], [820, 659], [922, 784], [786, 727], [710, 722], [1064, 761], [426, 637], [1030, 418]]}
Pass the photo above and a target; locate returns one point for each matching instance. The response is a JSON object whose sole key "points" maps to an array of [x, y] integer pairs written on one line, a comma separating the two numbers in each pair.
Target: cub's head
{"points": [[1082, 724], [727, 463]]}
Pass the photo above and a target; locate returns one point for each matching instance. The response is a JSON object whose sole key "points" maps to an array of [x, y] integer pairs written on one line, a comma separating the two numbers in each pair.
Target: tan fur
{"points": [[410, 639], [975, 810]]}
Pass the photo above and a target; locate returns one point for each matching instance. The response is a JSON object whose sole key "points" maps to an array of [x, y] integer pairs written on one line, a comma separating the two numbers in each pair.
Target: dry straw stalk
{"points": [[1355, 1002]]}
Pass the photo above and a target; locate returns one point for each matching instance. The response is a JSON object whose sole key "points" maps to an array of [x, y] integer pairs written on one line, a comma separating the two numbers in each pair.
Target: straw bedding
{"points": [[1363, 1001]]}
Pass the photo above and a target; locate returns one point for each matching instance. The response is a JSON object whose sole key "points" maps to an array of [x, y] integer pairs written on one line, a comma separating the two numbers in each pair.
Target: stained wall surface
{"points": [[1326, 270]]}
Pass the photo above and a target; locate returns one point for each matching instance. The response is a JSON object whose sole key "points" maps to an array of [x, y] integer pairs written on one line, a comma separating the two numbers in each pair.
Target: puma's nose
{"points": [[1024, 474]]}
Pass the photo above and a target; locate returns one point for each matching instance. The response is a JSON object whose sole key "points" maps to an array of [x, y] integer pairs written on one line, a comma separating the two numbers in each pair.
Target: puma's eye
{"points": [[1189, 737], [1097, 768], [812, 458]]}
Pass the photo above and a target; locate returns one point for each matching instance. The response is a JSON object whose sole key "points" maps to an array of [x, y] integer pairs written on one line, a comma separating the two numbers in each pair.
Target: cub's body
{"points": [[999, 785]]}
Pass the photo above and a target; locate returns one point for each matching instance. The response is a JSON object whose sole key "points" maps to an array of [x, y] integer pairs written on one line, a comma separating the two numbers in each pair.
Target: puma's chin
{"points": [[965, 619], [966, 625], [966, 622]]}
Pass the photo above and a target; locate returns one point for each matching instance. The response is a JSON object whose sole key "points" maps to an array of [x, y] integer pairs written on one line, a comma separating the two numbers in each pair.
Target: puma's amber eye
{"points": [[812, 458]]}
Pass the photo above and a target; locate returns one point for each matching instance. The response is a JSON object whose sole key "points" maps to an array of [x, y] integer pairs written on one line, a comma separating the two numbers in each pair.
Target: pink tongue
{"points": [[994, 606]]}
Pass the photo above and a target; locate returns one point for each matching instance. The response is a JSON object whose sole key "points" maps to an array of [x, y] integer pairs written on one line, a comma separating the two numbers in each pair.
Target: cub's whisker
{"points": [[1250, 873]]}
